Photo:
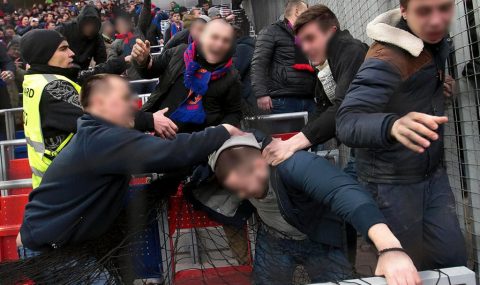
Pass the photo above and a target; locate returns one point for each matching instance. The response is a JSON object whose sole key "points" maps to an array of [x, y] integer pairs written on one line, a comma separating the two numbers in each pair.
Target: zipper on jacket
{"points": [[60, 240]]}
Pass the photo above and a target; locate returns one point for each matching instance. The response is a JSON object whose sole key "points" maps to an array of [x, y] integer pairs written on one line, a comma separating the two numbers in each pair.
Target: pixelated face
{"points": [[216, 41], [117, 105], [314, 41], [122, 26], [63, 56], [51, 26], [196, 29], [250, 181], [429, 19]]}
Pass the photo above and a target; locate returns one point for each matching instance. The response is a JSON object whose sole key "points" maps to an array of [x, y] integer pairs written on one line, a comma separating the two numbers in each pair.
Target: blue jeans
{"points": [[47, 278], [423, 217], [276, 259], [283, 105]]}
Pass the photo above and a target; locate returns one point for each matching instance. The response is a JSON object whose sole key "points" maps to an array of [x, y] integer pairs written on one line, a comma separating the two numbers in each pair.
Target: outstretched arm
{"points": [[346, 198]]}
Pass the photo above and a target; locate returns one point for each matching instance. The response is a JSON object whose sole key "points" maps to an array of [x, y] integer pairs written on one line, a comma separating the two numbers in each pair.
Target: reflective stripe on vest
{"points": [[38, 156]]}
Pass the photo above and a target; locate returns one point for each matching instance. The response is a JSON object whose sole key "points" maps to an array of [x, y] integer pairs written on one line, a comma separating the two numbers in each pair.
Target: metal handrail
{"points": [[144, 81], [14, 184], [16, 142], [12, 110]]}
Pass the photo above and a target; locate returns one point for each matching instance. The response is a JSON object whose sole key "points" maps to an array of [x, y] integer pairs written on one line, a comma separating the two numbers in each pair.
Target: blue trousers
{"points": [[276, 259], [99, 278], [283, 105], [423, 217]]}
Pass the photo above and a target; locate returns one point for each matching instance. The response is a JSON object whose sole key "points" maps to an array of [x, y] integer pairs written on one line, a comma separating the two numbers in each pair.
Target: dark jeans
{"points": [[423, 217], [97, 278], [283, 105], [276, 259]]}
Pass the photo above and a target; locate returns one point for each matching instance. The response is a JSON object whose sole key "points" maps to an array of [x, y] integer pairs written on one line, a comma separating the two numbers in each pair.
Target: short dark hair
{"points": [[234, 158], [293, 4], [320, 14], [404, 3], [92, 84]]}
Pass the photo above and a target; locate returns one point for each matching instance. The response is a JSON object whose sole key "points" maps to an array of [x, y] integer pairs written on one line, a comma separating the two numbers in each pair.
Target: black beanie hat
{"points": [[38, 46]]}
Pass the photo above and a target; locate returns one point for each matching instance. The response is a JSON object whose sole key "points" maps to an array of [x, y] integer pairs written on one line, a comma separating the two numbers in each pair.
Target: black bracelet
{"points": [[391, 249]]}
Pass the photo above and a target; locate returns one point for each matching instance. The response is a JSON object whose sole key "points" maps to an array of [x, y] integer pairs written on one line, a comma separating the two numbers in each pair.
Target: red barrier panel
{"points": [[19, 169], [11, 217]]}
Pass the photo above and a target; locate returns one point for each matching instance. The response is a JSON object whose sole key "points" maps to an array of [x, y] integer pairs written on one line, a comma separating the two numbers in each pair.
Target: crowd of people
{"points": [[82, 126]]}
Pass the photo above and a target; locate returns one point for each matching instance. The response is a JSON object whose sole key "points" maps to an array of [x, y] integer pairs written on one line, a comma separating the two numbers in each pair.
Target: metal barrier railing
{"points": [[142, 81], [144, 97], [10, 121], [6, 154], [14, 184]]}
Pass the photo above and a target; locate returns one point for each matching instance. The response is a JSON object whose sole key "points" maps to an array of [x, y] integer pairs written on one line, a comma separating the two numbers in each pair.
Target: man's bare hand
{"points": [[141, 52], [278, 151], [234, 131], [416, 130], [164, 127], [398, 269], [265, 103], [448, 86]]}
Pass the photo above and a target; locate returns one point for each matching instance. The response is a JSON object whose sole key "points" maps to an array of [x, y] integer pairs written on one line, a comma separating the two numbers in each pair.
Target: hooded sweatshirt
{"points": [[85, 48]]}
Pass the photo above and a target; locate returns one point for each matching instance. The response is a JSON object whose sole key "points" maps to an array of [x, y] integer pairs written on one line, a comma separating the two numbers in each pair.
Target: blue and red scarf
{"points": [[128, 42], [196, 79]]}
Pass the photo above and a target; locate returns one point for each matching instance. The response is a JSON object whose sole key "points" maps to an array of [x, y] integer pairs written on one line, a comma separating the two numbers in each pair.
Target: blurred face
{"points": [[116, 105], [429, 19], [63, 56], [176, 18], [206, 6], [66, 17], [196, 29], [2, 22], [314, 41], [250, 181], [9, 32], [14, 51], [51, 26], [302, 7], [122, 26], [34, 23], [24, 21], [196, 12], [89, 29], [216, 41]]}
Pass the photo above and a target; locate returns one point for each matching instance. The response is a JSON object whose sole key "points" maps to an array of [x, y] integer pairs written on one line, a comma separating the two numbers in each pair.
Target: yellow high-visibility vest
{"points": [[39, 157]]}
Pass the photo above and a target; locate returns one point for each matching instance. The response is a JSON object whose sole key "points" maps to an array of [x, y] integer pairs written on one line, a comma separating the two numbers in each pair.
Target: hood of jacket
{"points": [[89, 14], [384, 29]]}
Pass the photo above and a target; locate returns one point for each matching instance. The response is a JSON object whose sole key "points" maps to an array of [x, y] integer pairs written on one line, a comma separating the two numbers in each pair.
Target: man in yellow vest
{"points": [[51, 99]]}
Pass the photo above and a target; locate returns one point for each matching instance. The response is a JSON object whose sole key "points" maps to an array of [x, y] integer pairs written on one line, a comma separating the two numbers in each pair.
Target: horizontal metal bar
{"points": [[14, 184], [296, 115], [4, 111], [143, 81], [156, 53], [13, 142]]}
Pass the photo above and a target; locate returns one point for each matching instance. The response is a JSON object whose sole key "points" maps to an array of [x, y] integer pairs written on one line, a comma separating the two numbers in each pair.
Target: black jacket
{"points": [[243, 62], [221, 102], [84, 189], [393, 81], [85, 48], [345, 55], [275, 55], [314, 204]]}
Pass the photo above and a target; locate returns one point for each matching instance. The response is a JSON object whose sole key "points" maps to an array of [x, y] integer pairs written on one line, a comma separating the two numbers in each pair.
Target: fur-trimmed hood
{"points": [[383, 29]]}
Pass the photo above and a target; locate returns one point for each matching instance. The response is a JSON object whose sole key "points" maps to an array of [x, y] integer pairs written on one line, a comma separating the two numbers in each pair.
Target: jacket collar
{"points": [[384, 29]]}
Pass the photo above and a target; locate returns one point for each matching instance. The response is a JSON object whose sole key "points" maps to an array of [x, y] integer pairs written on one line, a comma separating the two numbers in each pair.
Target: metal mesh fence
{"points": [[462, 145]]}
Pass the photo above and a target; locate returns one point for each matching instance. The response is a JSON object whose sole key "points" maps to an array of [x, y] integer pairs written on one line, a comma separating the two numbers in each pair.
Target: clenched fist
{"points": [[141, 52]]}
